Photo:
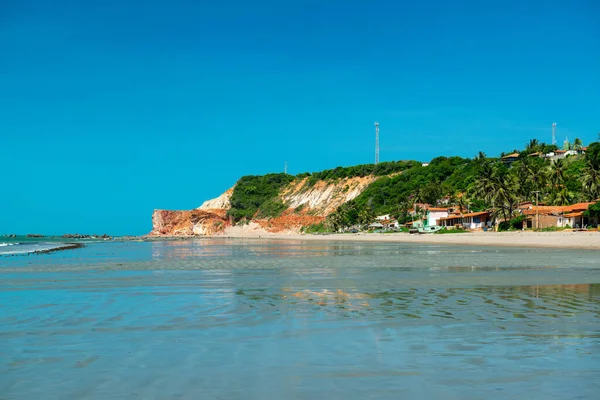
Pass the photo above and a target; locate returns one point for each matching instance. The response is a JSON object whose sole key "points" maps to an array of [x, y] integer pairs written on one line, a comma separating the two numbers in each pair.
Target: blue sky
{"points": [[111, 109]]}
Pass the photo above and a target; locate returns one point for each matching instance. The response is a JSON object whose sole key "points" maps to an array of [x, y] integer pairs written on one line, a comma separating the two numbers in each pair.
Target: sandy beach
{"points": [[564, 239]]}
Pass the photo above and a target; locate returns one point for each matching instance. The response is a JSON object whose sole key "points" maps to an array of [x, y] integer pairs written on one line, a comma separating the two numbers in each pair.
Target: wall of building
{"points": [[433, 216]]}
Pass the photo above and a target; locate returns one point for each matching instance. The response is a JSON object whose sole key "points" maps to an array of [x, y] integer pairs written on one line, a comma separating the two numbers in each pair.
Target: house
{"points": [[385, 217], [557, 216], [434, 214], [472, 221], [560, 154], [376, 225], [510, 158]]}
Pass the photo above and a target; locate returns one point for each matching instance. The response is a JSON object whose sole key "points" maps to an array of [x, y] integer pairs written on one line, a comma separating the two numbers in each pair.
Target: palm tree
{"points": [[577, 144], [556, 173], [591, 182], [505, 193], [560, 197], [481, 156], [484, 186], [533, 146]]}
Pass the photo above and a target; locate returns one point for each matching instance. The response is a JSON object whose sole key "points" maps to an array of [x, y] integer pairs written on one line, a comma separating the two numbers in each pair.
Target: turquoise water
{"points": [[223, 319]]}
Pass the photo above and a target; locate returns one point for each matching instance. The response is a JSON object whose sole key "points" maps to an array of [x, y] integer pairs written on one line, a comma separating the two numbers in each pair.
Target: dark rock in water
{"points": [[80, 236], [34, 235], [10, 235]]}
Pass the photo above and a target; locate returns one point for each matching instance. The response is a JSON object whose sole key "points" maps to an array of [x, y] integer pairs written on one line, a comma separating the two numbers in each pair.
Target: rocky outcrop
{"points": [[187, 223]]}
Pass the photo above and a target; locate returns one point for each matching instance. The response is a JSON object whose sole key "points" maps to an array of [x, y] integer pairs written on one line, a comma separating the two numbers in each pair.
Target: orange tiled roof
{"points": [[437, 209], [476, 214], [578, 207], [546, 210], [575, 214]]}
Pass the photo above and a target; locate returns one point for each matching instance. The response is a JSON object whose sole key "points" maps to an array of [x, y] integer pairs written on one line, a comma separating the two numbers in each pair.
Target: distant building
{"points": [[510, 158], [560, 154]]}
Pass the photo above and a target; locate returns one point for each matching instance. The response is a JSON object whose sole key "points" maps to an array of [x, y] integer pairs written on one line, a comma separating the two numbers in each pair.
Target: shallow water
{"points": [[223, 319]]}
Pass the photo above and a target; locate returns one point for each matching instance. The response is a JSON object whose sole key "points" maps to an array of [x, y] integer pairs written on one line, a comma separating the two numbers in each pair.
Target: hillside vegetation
{"points": [[475, 184]]}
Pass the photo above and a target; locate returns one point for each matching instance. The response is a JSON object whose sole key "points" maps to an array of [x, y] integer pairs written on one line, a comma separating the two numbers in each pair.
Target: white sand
{"points": [[565, 239]]}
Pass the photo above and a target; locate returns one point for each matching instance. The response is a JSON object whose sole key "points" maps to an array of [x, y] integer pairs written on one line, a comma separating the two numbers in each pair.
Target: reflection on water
{"points": [[221, 319]]}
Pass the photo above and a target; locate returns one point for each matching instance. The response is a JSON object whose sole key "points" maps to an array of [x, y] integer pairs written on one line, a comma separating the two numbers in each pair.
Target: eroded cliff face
{"points": [[324, 197], [220, 203], [189, 222], [306, 204]]}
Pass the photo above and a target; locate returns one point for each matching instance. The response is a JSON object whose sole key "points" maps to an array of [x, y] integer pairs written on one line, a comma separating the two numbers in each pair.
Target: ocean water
{"points": [[258, 319]]}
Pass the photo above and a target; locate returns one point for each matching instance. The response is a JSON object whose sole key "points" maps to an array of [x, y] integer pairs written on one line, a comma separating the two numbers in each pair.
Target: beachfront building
{"points": [[434, 214], [471, 221], [558, 216]]}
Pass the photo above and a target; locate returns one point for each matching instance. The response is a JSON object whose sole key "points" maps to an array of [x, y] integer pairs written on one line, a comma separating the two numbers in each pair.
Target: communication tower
{"points": [[554, 133], [376, 142]]}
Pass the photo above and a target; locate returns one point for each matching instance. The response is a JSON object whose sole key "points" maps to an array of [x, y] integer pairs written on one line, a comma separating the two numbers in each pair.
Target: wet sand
{"points": [[566, 240]]}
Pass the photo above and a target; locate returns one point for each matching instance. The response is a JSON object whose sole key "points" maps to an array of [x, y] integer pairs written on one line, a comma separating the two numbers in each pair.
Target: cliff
{"points": [[305, 203], [186, 223]]}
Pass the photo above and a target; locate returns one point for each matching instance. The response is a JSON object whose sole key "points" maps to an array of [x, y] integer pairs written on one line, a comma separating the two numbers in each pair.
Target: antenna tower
{"points": [[554, 133], [285, 168], [376, 142]]}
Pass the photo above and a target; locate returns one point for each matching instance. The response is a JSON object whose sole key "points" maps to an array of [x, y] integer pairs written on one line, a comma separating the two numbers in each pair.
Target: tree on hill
{"points": [[591, 173]]}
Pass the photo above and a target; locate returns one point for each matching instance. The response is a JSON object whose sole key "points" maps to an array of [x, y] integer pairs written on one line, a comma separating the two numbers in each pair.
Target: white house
{"points": [[560, 154], [385, 217], [434, 214]]}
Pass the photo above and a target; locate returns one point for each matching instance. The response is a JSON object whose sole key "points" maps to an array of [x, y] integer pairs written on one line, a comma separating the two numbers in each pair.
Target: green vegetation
{"points": [[381, 169], [552, 229], [316, 228], [479, 184], [593, 210], [449, 231], [258, 194], [513, 224], [395, 195]]}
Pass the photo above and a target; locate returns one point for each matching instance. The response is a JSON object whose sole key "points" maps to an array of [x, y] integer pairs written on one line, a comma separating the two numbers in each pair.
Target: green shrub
{"points": [[450, 231], [513, 224], [254, 193], [316, 228]]}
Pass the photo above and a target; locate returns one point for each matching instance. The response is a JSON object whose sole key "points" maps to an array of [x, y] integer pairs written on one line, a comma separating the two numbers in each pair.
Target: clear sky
{"points": [[111, 109]]}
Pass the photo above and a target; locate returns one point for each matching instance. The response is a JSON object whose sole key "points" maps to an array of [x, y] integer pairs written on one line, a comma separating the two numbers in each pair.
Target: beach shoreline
{"points": [[589, 240]]}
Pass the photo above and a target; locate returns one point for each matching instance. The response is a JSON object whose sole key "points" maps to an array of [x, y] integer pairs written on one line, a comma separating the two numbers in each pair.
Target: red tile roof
{"points": [[575, 214], [547, 210]]}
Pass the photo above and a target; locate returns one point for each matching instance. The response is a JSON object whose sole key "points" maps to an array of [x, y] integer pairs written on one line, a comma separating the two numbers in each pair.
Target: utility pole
{"points": [[537, 210]]}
